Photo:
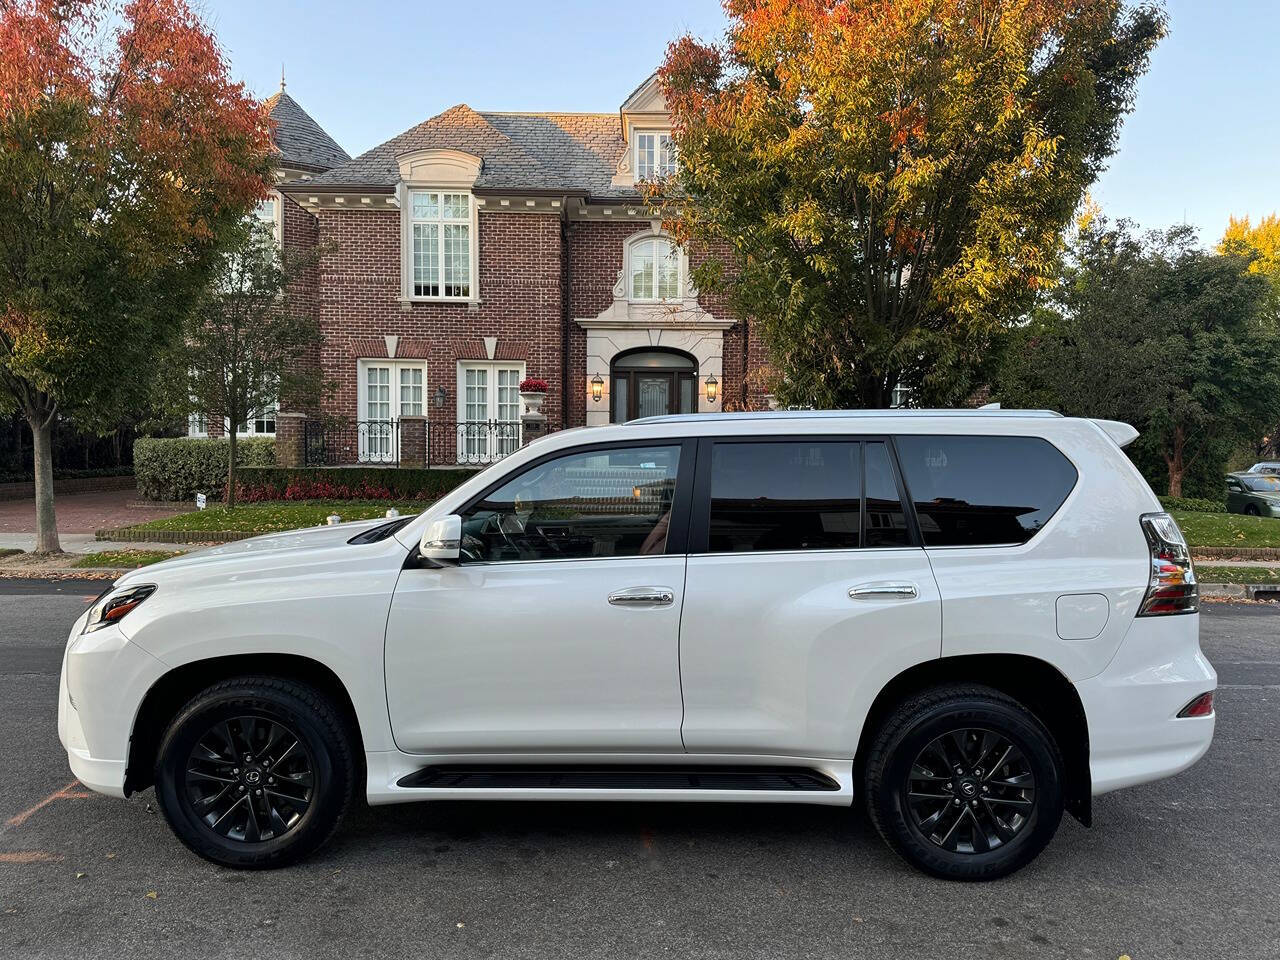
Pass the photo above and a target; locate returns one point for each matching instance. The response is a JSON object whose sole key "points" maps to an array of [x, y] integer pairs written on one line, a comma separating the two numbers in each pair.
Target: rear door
{"points": [[803, 596]]}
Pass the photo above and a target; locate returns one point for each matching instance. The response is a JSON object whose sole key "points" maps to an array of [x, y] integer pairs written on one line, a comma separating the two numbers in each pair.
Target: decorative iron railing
{"points": [[408, 443]]}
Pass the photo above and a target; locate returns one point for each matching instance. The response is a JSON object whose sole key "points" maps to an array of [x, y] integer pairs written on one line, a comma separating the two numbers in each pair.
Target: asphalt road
{"points": [[1185, 868]]}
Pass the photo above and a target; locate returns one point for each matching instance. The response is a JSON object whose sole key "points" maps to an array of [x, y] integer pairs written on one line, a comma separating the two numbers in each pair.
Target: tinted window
{"points": [[983, 490], [1264, 484], [785, 496], [886, 523], [607, 503]]}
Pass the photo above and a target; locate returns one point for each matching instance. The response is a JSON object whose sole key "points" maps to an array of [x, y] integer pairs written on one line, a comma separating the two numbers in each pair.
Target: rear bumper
{"points": [[1135, 734]]}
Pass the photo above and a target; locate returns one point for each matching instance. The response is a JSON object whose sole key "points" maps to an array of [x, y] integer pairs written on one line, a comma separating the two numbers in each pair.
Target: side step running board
{"points": [[602, 777]]}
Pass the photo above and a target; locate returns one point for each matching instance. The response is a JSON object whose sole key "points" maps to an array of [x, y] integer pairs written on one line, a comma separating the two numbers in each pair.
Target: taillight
{"points": [[1201, 706], [1172, 586]]}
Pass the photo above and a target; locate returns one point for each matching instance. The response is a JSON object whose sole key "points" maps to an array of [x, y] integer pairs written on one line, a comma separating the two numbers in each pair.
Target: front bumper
{"points": [[104, 679], [1135, 734]]}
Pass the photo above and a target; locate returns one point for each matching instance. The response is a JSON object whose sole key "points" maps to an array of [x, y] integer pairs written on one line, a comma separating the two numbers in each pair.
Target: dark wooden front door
{"points": [[651, 393]]}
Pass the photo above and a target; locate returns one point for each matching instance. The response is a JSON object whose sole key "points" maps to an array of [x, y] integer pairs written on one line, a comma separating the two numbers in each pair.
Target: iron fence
{"points": [[408, 443]]}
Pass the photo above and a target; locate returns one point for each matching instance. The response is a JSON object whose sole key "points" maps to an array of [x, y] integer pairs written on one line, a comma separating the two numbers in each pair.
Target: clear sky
{"points": [[1203, 143]]}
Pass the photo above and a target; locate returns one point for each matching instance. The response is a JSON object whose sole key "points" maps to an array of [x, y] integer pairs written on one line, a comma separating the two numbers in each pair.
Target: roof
{"points": [[299, 140], [570, 152]]}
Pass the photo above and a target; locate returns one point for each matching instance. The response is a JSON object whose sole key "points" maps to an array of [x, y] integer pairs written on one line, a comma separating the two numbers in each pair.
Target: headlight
{"points": [[114, 607]]}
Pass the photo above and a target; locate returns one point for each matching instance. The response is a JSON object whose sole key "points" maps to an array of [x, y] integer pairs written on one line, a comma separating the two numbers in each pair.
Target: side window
{"points": [[802, 495], [603, 503], [974, 491], [886, 522]]}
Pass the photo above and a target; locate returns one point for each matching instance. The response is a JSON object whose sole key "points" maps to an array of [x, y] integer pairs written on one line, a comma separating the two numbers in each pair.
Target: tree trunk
{"points": [[1174, 462], [42, 449], [231, 467]]}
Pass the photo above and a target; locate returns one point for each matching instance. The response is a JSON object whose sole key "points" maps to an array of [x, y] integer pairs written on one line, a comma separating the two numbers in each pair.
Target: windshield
{"points": [[1263, 484]]}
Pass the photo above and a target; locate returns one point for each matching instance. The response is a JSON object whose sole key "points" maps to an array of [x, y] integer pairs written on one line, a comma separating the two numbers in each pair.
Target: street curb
{"points": [[129, 535], [1241, 591], [65, 573], [1235, 553]]}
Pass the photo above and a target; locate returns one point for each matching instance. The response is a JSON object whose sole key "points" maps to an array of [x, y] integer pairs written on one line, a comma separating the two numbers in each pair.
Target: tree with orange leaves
{"points": [[892, 176], [127, 155]]}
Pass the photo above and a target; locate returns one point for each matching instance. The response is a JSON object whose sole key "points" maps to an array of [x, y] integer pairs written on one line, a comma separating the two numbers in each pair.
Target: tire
{"points": [[1252, 510], [261, 822], [993, 811]]}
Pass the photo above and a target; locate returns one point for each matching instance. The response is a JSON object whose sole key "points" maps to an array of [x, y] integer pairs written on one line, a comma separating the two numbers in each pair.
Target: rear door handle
{"points": [[884, 591], [643, 597]]}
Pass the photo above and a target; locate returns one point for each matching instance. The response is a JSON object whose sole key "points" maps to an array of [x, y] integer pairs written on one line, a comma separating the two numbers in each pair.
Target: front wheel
{"points": [[964, 783], [1252, 510], [256, 772]]}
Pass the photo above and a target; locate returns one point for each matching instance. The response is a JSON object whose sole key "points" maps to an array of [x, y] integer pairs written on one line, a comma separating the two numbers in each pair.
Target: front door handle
{"points": [[643, 597], [884, 591]]}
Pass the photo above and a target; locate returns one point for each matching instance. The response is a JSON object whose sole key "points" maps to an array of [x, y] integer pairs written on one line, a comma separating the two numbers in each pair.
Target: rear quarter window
{"points": [[983, 491]]}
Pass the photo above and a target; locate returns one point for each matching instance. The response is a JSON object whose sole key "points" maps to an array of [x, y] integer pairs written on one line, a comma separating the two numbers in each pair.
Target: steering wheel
{"points": [[510, 526]]}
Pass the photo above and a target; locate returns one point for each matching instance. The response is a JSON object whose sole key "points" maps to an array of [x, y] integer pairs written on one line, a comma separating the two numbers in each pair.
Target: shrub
{"points": [[346, 483], [1194, 504], [178, 468]]}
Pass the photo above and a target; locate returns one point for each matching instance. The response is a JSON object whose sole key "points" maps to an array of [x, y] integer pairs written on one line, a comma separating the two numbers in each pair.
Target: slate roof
{"points": [[573, 152], [299, 140]]}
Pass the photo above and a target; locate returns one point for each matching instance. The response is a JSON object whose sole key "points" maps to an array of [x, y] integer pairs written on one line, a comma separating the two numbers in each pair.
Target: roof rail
{"points": [[848, 414]]}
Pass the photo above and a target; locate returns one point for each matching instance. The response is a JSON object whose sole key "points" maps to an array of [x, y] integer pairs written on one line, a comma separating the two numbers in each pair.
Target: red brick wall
{"points": [[356, 296], [359, 302]]}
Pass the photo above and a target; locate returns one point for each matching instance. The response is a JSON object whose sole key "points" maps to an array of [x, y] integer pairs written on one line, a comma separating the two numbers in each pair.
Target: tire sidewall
{"points": [[328, 793], [1023, 731]]}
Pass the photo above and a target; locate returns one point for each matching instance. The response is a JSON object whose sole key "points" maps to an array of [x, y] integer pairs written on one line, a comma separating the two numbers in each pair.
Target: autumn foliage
{"points": [[126, 153], [893, 176]]}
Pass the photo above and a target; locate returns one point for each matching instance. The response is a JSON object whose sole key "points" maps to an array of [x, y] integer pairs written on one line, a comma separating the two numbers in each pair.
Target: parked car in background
{"points": [[1266, 466], [1257, 494], [970, 621]]}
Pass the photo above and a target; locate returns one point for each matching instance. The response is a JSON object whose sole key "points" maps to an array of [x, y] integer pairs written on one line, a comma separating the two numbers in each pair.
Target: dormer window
{"points": [[440, 227], [655, 155], [654, 269]]}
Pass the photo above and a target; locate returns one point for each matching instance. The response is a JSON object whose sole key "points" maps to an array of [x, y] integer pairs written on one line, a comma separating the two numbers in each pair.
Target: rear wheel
{"points": [[256, 772], [964, 783]]}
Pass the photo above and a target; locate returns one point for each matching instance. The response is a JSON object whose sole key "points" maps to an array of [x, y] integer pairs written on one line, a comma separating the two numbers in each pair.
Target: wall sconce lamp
{"points": [[713, 389], [439, 397], [597, 388]]}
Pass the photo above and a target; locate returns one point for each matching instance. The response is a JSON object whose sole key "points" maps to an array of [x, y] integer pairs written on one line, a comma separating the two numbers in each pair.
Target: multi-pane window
{"points": [[655, 155], [440, 243], [268, 213], [488, 411], [411, 391], [655, 269]]}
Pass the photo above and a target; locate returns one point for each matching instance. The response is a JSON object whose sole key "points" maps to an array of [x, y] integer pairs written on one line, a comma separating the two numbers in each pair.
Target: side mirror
{"points": [[442, 540]]}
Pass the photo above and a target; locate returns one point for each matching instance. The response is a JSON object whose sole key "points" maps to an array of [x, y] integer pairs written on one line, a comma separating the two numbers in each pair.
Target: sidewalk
{"points": [[80, 513]]}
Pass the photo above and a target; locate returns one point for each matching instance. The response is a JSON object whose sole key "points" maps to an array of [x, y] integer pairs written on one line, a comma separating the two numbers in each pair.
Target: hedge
{"points": [[346, 483], [1194, 504], [178, 468]]}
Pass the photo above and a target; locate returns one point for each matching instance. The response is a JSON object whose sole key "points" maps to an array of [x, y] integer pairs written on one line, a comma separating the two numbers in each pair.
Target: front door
{"points": [[803, 596], [559, 628]]}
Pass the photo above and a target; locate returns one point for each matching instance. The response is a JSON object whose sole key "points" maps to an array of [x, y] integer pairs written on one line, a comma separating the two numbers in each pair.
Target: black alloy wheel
{"points": [[971, 791], [964, 782], [250, 778], [257, 772]]}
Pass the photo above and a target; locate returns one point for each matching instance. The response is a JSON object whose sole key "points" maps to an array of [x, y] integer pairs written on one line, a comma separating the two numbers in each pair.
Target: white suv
{"points": [[971, 619]]}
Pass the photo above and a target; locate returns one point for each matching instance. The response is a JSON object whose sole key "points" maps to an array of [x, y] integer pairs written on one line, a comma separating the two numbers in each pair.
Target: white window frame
{"points": [[409, 221], [664, 156], [389, 452], [277, 218], [483, 448], [655, 239]]}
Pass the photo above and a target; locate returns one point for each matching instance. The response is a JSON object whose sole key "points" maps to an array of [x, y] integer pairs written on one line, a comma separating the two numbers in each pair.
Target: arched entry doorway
{"points": [[649, 382]]}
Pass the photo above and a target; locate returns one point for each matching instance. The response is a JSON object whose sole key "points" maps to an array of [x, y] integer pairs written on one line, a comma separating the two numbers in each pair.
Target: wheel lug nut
{"points": [[956, 801], [973, 803], [986, 789], [242, 788], [258, 793], [959, 770], [271, 779], [235, 769]]}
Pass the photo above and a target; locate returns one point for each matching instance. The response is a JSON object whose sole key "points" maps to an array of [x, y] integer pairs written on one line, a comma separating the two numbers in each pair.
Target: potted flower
{"points": [[533, 391]]}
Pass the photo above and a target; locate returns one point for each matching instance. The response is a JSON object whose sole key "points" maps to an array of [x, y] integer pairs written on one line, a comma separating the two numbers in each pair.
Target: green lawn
{"points": [[1213, 574], [124, 558], [1228, 529], [277, 515]]}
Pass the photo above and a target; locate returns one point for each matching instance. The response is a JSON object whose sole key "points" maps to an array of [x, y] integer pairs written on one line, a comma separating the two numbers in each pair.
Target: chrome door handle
{"points": [[884, 591], [643, 597]]}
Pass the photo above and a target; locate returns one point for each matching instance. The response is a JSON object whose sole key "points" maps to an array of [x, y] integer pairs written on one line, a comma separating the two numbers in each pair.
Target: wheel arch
{"points": [[1036, 684], [176, 687]]}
